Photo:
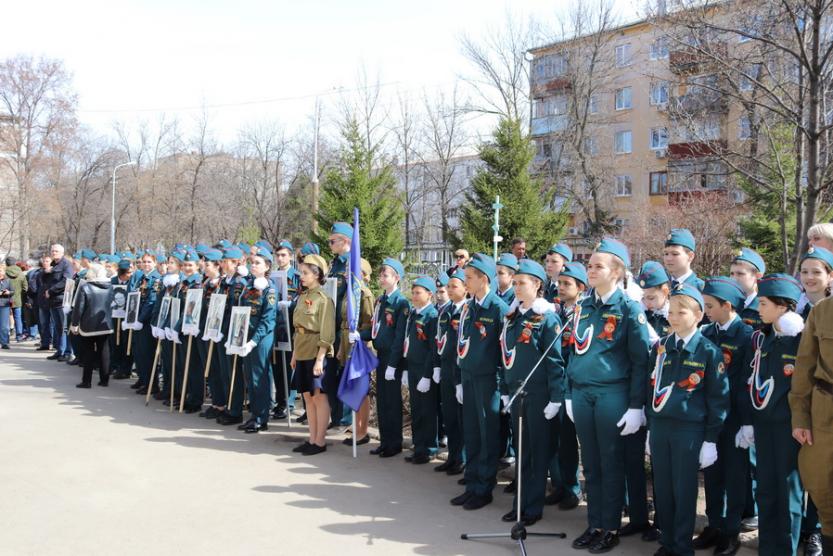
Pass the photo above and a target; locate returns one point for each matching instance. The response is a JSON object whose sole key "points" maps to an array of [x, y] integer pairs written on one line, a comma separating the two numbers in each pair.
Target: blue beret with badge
{"points": [[244, 247], [576, 271], [87, 254], [191, 256], [201, 248], [124, 264], [616, 248], [681, 237], [779, 285], [532, 268], [284, 244], [395, 265], [483, 263], [561, 249], [263, 244], [310, 248], [508, 260], [233, 252], [223, 244], [747, 255], [688, 291], [652, 275], [342, 228], [212, 254], [725, 289], [459, 274], [821, 254], [442, 280], [178, 255], [265, 253], [425, 282]]}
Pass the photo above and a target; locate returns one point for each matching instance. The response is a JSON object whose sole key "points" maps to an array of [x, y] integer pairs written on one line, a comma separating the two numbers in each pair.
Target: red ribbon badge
{"points": [[526, 333], [608, 329]]}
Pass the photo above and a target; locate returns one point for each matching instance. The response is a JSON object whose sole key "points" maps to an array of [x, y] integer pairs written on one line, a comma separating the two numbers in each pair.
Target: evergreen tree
{"points": [[524, 214], [362, 180]]}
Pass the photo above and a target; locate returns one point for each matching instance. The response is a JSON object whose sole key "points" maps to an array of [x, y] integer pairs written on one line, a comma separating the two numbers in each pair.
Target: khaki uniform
{"points": [[365, 318], [811, 403], [314, 322]]}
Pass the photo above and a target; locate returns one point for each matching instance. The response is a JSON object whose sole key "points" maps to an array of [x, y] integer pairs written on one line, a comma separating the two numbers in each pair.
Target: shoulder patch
{"points": [[721, 368], [641, 318], [270, 298]]}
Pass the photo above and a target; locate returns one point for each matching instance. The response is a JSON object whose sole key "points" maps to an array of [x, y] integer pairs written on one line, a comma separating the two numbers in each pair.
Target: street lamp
{"points": [[113, 211]]}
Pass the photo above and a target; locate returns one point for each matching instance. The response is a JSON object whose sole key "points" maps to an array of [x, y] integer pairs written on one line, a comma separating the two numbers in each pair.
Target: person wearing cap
{"points": [[348, 338], [283, 262], [566, 489], [261, 298], [121, 364], [191, 279], [478, 356], [211, 258], [557, 256], [234, 280], [656, 293], [689, 398], [725, 481], [339, 240], [507, 265], [677, 256], [746, 269], [170, 284], [315, 336], [309, 248], [461, 258], [441, 303], [387, 332], [529, 341], [448, 321], [772, 360], [148, 282], [607, 373]]}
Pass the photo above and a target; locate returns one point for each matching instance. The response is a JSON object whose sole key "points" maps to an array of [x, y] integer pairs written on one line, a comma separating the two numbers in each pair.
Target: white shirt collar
{"points": [[729, 322], [749, 299], [685, 340], [606, 297], [684, 277], [480, 301], [460, 304], [422, 309]]}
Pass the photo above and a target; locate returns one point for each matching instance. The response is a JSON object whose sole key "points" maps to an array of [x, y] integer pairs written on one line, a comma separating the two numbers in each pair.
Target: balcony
{"points": [[698, 102], [696, 149], [545, 125], [688, 60], [561, 83]]}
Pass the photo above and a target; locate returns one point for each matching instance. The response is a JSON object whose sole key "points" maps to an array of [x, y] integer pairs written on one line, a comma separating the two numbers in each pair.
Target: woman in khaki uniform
{"points": [[314, 322], [365, 318]]}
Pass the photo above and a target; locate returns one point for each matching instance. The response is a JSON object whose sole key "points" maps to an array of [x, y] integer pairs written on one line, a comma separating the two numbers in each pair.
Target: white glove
{"points": [[632, 420], [568, 407], [138, 326], [405, 378], [708, 454], [66, 310], [175, 337], [551, 410], [504, 401], [354, 337], [745, 438], [424, 385], [219, 337], [390, 373], [436, 376], [282, 304], [458, 392], [242, 270], [247, 348], [154, 331], [644, 420], [648, 443], [167, 332]]}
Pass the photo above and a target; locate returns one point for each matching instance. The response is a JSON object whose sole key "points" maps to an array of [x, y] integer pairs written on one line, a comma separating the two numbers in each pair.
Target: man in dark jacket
{"points": [[44, 315], [55, 280], [6, 300], [20, 285]]}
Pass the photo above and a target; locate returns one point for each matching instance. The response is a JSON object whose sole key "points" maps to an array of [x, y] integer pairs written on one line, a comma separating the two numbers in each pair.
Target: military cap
{"points": [[725, 289], [652, 275], [681, 237], [779, 285], [747, 255], [425, 282]]}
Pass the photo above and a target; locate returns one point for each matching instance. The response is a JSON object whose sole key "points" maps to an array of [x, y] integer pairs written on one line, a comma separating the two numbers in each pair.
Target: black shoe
{"points": [[706, 539], [555, 497], [605, 543], [729, 546], [377, 451], [570, 502], [444, 466], [299, 449], [73, 362], [121, 375], [43, 348], [314, 449], [477, 501], [359, 442], [812, 545], [390, 452], [103, 382], [246, 424], [633, 529], [409, 458], [54, 356], [510, 488], [279, 413], [142, 390], [254, 427], [210, 413], [226, 419], [83, 385], [191, 408], [461, 499], [651, 535], [302, 419], [662, 551], [461, 481], [587, 539], [62, 359], [136, 385], [421, 459], [455, 469], [5, 346]]}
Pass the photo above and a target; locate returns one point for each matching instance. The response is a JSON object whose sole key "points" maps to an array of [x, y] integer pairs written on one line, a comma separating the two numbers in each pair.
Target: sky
{"points": [[247, 61]]}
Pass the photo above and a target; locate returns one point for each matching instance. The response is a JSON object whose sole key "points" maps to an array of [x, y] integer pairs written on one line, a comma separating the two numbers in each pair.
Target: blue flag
{"points": [[355, 382]]}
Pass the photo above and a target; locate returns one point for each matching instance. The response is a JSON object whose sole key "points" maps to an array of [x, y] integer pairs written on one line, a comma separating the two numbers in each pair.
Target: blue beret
{"points": [[779, 285], [747, 255], [212, 254], [115, 259], [576, 271], [310, 248], [532, 268], [76, 255], [233, 252], [244, 247], [124, 264], [442, 280], [150, 252], [425, 282], [265, 253], [263, 244], [821, 254], [287, 245], [178, 255], [201, 248], [562, 249], [87, 254], [224, 244], [395, 265], [342, 228], [459, 274], [483, 263], [160, 259], [652, 275], [179, 247], [508, 260], [191, 256], [681, 237], [615, 248], [725, 289], [689, 291], [126, 255]]}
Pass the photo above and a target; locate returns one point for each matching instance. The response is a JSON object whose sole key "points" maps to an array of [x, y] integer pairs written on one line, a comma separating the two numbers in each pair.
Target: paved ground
{"points": [[96, 472]]}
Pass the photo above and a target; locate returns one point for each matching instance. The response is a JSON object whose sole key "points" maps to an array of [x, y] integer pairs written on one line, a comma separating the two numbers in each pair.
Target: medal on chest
{"points": [[660, 395], [582, 341], [760, 391], [420, 332]]}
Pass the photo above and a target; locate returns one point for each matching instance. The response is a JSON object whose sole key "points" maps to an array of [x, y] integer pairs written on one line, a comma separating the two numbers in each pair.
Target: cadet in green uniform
{"points": [[448, 321], [280, 361], [656, 292], [121, 364], [191, 280], [234, 281], [478, 355], [418, 350], [557, 256], [689, 396], [746, 269], [387, 332], [210, 286], [315, 332], [677, 257], [507, 265], [529, 335], [170, 282], [725, 481], [147, 282], [772, 360], [607, 373]]}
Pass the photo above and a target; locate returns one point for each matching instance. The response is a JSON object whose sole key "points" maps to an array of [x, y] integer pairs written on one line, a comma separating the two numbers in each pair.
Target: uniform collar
{"points": [[729, 324], [684, 277], [750, 299], [486, 302], [689, 342], [458, 306], [422, 309], [610, 298]]}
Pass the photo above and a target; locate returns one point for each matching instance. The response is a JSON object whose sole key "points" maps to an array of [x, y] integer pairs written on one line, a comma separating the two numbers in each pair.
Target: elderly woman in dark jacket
{"points": [[91, 320]]}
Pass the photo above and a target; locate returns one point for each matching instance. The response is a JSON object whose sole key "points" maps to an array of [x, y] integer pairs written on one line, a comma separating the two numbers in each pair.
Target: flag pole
{"points": [[496, 227]]}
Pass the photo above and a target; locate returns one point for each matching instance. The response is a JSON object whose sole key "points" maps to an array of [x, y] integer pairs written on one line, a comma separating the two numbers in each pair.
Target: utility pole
{"points": [[315, 184]]}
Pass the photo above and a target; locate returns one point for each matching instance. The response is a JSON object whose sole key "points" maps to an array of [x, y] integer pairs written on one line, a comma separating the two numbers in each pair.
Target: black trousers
{"points": [[95, 352]]}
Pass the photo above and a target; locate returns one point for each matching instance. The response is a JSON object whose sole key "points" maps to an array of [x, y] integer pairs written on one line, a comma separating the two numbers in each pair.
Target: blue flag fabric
{"points": [[355, 382]]}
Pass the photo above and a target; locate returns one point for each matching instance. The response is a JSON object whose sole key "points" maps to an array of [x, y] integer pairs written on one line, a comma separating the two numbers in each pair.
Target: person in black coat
{"points": [[54, 279], [91, 320]]}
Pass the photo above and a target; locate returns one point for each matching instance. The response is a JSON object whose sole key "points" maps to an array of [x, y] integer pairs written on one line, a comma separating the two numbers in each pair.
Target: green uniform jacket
{"points": [[508, 296], [420, 341], [734, 343], [523, 340], [263, 305], [188, 283], [478, 343], [767, 400], [750, 315], [388, 326], [148, 286]]}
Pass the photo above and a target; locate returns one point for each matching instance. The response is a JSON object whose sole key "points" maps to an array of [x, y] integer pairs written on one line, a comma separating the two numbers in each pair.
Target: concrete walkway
{"points": [[96, 472]]}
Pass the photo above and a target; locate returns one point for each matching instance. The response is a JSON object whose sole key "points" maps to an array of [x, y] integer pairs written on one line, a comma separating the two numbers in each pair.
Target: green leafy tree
{"points": [[361, 180], [524, 214]]}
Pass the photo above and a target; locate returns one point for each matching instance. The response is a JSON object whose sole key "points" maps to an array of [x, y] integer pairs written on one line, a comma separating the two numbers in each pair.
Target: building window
{"points": [[593, 104], [623, 55], [659, 138], [590, 146], [746, 82], [551, 66], [623, 186], [623, 142], [659, 93], [659, 48], [744, 127], [659, 183], [623, 98]]}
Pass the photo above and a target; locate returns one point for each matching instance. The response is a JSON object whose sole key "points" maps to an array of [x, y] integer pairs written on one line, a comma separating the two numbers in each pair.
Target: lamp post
{"points": [[113, 211]]}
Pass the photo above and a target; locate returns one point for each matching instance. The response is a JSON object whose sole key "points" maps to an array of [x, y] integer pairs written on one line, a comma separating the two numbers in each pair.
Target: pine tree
{"points": [[362, 181], [524, 214]]}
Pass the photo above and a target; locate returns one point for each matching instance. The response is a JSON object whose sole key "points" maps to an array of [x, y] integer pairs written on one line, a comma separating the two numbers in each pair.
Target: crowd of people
{"points": [[731, 375]]}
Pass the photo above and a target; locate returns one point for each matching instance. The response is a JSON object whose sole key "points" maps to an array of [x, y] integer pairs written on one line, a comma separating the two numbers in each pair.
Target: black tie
{"points": [[680, 345], [674, 283]]}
